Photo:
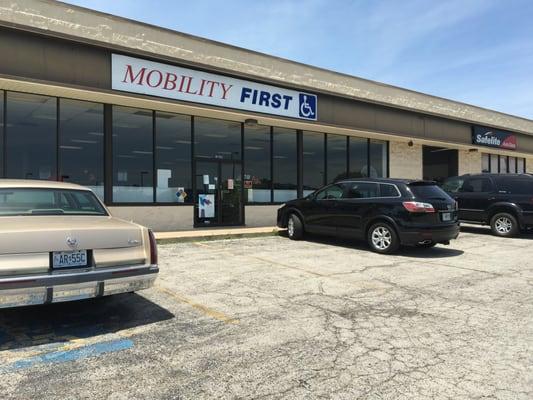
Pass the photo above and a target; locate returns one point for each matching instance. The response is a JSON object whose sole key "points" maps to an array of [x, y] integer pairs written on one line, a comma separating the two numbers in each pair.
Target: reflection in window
{"points": [[215, 138], [494, 162], [512, 165], [31, 123], [332, 192], [257, 180], [503, 165], [132, 155], [313, 162], [358, 157], [285, 165], [81, 144], [362, 190], [485, 163], [173, 157], [521, 165], [337, 152], [378, 158]]}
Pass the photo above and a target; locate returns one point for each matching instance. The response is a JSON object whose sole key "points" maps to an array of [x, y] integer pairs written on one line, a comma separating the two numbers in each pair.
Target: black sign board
{"points": [[493, 138]]}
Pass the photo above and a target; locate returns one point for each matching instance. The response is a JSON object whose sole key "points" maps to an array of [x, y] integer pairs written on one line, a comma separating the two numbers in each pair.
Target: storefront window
{"points": [[497, 164], [512, 165], [521, 165], [215, 138], [485, 163], [257, 180], [81, 144], [378, 158], [1, 133], [503, 165], [494, 163], [285, 165], [358, 157], [337, 153], [173, 158], [313, 162], [31, 122], [132, 155]]}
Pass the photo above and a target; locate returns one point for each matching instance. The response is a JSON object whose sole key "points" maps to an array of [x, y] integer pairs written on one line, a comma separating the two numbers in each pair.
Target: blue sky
{"points": [[476, 51]]}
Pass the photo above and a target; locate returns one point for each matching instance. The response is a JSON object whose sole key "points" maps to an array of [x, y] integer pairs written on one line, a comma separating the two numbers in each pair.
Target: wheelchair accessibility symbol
{"points": [[307, 106]]}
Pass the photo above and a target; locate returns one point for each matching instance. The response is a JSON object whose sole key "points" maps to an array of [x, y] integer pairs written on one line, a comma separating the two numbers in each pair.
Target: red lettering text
{"points": [[169, 81], [225, 89], [159, 77], [129, 72]]}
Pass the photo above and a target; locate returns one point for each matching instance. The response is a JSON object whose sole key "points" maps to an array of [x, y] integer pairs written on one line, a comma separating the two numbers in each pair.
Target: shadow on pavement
{"points": [[485, 230], [63, 322], [440, 251]]}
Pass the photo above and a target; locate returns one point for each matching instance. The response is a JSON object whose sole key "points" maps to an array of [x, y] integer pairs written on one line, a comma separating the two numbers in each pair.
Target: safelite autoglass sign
{"points": [[493, 138], [163, 80]]}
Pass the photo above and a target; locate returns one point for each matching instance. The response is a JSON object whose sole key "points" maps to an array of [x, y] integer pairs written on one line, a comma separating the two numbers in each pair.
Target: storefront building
{"points": [[175, 131]]}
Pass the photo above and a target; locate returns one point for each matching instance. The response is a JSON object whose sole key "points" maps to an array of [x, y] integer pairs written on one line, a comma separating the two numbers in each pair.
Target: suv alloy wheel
{"points": [[383, 239], [504, 224]]}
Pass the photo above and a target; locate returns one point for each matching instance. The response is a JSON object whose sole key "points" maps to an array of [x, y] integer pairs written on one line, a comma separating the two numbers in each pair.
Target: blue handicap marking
{"points": [[307, 106], [91, 350]]}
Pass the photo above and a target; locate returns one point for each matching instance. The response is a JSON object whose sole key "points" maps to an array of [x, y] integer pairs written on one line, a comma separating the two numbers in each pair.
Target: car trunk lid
{"points": [[37, 234]]}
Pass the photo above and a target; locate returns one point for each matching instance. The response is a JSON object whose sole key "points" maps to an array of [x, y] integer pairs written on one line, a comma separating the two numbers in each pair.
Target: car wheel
{"points": [[383, 239], [295, 228], [504, 224]]}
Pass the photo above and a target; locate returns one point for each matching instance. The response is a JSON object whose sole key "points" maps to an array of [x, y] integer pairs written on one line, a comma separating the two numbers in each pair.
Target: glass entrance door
{"points": [[218, 197]]}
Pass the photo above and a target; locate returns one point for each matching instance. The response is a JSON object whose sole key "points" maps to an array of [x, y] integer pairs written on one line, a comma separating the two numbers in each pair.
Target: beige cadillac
{"points": [[59, 243]]}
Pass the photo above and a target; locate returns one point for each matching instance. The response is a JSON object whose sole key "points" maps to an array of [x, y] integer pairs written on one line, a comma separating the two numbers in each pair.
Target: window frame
{"points": [[108, 153]]}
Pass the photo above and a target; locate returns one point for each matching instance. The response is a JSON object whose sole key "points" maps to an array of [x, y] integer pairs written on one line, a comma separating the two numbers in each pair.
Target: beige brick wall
{"points": [[405, 161], [469, 162], [158, 218]]}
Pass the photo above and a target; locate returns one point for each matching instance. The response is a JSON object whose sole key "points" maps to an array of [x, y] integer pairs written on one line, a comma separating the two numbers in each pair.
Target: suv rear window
{"points": [[428, 191]]}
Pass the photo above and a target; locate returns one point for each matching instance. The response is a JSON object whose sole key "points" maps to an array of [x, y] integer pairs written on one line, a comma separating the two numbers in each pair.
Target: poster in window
{"points": [[206, 206]]}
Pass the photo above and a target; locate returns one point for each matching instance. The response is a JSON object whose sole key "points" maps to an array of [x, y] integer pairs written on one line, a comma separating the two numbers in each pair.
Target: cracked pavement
{"points": [[269, 318]]}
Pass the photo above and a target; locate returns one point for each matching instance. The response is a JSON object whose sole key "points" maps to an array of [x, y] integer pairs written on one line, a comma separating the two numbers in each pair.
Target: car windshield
{"points": [[36, 201], [428, 192]]}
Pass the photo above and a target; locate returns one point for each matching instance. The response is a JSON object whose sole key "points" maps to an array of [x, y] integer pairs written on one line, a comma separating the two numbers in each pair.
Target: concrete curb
{"points": [[214, 234]]}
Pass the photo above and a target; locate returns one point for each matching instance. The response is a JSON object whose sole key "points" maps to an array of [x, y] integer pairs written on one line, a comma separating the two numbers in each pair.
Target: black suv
{"points": [[386, 212], [505, 202]]}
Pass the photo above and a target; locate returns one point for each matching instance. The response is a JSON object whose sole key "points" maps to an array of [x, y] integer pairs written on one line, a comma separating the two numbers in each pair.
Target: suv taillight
{"points": [[153, 248], [418, 207]]}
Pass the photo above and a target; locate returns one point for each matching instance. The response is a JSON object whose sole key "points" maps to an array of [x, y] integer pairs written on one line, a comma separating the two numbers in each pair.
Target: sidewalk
{"points": [[214, 233]]}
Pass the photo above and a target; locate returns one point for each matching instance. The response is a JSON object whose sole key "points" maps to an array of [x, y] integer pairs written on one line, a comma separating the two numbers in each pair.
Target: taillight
{"points": [[418, 207], [153, 248]]}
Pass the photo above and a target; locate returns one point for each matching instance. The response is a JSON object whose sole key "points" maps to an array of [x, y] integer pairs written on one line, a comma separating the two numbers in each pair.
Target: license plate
{"points": [[65, 259], [447, 216]]}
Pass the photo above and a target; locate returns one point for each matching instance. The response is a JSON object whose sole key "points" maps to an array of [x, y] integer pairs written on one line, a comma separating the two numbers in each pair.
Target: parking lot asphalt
{"points": [[271, 318]]}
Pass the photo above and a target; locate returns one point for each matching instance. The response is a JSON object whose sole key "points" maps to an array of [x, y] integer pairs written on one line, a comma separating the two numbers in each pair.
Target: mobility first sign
{"points": [[162, 80]]}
